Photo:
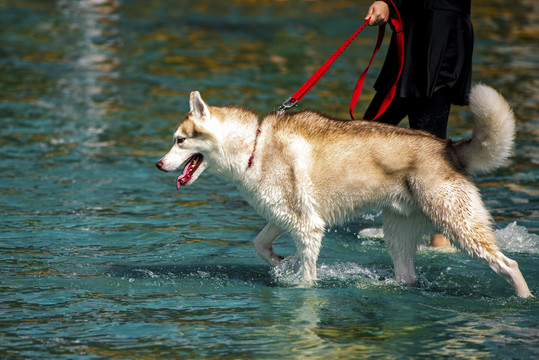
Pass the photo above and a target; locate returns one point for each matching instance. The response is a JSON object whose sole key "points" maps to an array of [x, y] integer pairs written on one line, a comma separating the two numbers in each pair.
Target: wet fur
{"points": [[311, 171]]}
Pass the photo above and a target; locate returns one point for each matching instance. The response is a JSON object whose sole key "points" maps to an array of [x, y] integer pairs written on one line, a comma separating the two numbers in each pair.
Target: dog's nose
{"points": [[160, 165]]}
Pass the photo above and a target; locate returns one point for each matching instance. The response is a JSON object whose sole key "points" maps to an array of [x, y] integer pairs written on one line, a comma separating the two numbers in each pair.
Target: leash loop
{"points": [[395, 22]]}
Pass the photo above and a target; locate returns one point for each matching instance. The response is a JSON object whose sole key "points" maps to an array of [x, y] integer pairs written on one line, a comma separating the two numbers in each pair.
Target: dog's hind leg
{"points": [[263, 243], [457, 209], [403, 234], [508, 270]]}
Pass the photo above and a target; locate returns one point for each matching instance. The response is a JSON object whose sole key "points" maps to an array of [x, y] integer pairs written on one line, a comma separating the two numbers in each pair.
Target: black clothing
{"points": [[438, 41], [428, 113], [438, 38]]}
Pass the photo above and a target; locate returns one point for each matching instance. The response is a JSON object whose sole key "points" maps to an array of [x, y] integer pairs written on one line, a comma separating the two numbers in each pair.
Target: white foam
{"points": [[516, 238], [512, 238], [345, 272], [286, 272], [371, 233]]}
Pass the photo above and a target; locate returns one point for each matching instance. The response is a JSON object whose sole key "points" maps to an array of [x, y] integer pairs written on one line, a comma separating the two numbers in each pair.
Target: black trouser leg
{"points": [[431, 114], [393, 115], [428, 114]]}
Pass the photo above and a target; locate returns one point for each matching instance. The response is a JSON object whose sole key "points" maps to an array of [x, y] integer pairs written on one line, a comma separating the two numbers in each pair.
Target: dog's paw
{"points": [[290, 272]]}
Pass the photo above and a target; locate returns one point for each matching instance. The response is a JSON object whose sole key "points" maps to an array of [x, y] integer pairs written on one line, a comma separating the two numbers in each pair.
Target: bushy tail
{"points": [[493, 133]]}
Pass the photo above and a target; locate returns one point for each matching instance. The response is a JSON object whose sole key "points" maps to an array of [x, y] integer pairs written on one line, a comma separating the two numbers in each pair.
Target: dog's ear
{"points": [[198, 106]]}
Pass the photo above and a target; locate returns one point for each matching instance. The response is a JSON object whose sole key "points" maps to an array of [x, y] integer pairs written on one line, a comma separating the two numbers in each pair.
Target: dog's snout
{"points": [[159, 164]]}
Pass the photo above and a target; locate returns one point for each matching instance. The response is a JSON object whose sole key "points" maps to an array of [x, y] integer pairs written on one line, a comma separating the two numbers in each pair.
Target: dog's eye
{"points": [[180, 140]]}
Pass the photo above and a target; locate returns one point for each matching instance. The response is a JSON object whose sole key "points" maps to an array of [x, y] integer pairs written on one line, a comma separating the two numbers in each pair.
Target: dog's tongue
{"points": [[183, 178], [178, 182], [185, 175], [188, 170]]}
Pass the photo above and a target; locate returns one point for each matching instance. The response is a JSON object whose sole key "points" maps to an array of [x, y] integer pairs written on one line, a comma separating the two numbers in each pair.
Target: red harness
{"points": [[396, 23]]}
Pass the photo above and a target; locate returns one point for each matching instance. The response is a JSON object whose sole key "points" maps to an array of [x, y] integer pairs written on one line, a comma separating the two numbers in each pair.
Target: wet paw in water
{"points": [[287, 272]]}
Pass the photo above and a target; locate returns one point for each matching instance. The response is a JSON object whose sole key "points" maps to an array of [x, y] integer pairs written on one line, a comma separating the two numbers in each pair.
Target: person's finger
{"points": [[369, 15]]}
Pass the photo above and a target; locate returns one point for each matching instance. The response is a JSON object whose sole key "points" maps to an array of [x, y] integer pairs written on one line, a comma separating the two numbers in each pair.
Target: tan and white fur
{"points": [[310, 172]]}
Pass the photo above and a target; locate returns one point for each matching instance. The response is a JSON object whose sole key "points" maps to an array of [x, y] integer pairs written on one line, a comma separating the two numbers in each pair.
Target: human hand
{"points": [[379, 13]]}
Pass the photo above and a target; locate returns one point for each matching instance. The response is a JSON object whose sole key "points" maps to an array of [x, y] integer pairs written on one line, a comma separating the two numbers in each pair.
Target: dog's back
{"points": [[347, 166], [365, 159]]}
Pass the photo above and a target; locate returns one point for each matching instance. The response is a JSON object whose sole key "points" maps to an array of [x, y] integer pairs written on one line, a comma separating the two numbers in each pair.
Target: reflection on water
{"points": [[101, 257], [91, 82]]}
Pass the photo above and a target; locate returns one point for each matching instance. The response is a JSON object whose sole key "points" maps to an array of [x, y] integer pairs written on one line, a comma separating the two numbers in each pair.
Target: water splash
{"points": [[286, 273], [371, 233], [516, 238], [512, 238]]}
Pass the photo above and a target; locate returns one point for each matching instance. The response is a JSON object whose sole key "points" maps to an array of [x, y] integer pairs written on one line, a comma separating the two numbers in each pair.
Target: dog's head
{"points": [[192, 142]]}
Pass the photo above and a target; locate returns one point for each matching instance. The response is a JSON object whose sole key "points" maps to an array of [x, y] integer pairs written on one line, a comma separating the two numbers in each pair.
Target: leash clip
{"points": [[287, 104]]}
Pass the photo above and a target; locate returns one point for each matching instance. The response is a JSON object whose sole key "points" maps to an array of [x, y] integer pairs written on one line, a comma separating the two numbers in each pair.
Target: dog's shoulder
{"points": [[307, 122]]}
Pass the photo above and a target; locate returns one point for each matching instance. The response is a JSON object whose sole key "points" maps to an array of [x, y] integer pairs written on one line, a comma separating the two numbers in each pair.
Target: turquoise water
{"points": [[101, 257]]}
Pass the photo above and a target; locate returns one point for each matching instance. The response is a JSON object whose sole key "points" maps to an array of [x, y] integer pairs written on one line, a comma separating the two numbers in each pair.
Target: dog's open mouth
{"points": [[191, 166]]}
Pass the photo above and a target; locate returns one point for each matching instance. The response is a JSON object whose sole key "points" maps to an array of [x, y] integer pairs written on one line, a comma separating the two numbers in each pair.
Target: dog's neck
{"points": [[240, 146]]}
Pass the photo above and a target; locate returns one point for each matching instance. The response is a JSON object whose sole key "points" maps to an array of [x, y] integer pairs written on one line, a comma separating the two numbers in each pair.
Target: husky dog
{"points": [[304, 172]]}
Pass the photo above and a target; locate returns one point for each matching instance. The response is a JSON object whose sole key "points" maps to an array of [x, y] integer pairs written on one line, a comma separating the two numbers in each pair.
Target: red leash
{"points": [[395, 22]]}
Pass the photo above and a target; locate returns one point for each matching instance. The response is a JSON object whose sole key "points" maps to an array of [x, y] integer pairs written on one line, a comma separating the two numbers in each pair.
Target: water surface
{"points": [[101, 257]]}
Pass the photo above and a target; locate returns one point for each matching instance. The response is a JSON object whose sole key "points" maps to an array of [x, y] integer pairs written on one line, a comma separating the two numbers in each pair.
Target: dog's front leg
{"points": [[308, 248], [263, 243]]}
